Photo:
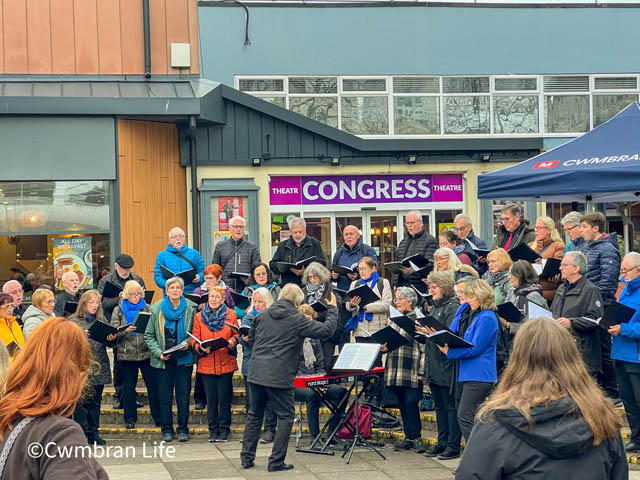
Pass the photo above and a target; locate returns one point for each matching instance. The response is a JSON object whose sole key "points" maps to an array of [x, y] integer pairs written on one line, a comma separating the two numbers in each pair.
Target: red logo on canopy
{"points": [[546, 164]]}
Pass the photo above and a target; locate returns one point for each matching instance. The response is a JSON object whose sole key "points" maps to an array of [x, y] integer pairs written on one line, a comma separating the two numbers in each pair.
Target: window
{"points": [[416, 115], [566, 113], [262, 85], [322, 109], [607, 106], [280, 101], [313, 85], [515, 114], [365, 115], [466, 115]]}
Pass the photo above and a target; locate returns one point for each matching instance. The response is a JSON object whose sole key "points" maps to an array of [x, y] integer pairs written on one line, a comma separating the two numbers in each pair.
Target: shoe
{"points": [[117, 404], [435, 451], [97, 440], [223, 437], [130, 426], [449, 455], [167, 437], [200, 406], [246, 465], [280, 468], [213, 437], [418, 446], [139, 404], [632, 447], [183, 437], [267, 437], [405, 444]]}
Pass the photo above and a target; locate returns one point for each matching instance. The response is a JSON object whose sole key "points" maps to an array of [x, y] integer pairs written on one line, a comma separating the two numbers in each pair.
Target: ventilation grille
{"points": [[616, 83], [416, 85], [566, 83]]}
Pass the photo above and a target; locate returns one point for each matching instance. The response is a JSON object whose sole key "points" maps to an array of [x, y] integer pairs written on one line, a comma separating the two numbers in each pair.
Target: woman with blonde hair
{"points": [[476, 369], [547, 418], [548, 244], [42, 389], [446, 260], [497, 276], [41, 308], [87, 412]]}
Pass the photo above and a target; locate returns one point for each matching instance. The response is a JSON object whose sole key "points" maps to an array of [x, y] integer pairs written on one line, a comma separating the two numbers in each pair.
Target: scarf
{"points": [[493, 278], [458, 249], [307, 352], [314, 292], [353, 322], [130, 310], [174, 318], [214, 320]]}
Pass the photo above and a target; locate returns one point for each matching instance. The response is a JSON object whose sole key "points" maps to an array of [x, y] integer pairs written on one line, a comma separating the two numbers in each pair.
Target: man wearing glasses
{"points": [[571, 224], [14, 288], [464, 231], [178, 257], [236, 254], [416, 241], [514, 229]]}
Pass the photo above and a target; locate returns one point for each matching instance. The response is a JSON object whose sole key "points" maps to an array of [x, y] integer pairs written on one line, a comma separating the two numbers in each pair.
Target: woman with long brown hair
{"points": [[547, 417], [43, 386]]}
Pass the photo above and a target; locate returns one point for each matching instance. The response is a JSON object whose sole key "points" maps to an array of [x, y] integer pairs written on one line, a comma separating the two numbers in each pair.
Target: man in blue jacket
{"points": [[603, 269], [178, 257], [626, 344], [464, 231]]}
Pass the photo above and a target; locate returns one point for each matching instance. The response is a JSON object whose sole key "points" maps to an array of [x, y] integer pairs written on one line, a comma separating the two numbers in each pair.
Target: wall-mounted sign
{"points": [[359, 189]]}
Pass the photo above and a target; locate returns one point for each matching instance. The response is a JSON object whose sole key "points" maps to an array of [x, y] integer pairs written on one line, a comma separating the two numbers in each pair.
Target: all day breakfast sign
{"points": [[363, 189]]}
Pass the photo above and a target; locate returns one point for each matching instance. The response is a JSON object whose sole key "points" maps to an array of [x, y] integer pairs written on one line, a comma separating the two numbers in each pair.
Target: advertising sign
{"points": [[73, 254]]}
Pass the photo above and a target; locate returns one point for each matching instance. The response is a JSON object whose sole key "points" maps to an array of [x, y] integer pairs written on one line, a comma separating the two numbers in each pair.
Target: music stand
{"points": [[357, 358]]}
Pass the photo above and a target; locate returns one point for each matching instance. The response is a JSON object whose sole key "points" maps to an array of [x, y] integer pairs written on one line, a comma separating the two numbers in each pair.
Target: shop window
{"points": [[320, 229], [280, 229], [341, 223], [444, 220]]}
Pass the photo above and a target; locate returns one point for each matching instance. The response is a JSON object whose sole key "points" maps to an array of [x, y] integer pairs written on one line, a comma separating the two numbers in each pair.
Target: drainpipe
{"points": [[147, 39], [194, 183]]}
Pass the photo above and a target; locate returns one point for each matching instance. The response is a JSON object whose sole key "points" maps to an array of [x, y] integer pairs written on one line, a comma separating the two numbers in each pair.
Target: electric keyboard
{"points": [[309, 381]]}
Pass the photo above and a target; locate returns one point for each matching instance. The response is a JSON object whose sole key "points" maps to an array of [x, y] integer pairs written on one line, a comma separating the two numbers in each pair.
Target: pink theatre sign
{"points": [[359, 189]]}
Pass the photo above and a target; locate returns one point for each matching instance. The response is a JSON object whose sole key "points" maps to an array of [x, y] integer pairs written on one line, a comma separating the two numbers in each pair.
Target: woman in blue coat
{"points": [[477, 372], [626, 345]]}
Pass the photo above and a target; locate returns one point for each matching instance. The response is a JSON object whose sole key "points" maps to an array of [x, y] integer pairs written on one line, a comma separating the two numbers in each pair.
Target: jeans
{"points": [[219, 392], [282, 402], [87, 412], [408, 399], [178, 378], [473, 394], [449, 434], [129, 372]]}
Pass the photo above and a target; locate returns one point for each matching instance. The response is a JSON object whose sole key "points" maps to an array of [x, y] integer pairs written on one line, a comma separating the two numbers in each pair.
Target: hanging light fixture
{"points": [[32, 218]]}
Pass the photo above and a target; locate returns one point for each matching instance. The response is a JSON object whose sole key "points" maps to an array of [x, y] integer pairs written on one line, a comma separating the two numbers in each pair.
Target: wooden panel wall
{"points": [[153, 192], [93, 37]]}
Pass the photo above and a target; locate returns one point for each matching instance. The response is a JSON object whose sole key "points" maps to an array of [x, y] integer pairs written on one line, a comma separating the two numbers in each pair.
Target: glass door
{"points": [[320, 228], [383, 233], [342, 220]]}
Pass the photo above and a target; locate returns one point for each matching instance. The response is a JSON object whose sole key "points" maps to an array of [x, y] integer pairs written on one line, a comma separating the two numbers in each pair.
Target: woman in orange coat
{"points": [[548, 244], [10, 331], [217, 366]]}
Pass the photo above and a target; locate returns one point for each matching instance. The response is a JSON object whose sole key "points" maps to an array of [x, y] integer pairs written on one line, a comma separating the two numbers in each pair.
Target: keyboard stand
{"points": [[358, 439]]}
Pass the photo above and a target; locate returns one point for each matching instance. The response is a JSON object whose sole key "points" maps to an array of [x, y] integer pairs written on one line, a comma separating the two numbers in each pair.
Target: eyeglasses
{"points": [[137, 294], [506, 220], [399, 299], [177, 237], [15, 292], [568, 229], [411, 223], [8, 307], [624, 272], [461, 229], [210, 278], [541, 228], [434, 287], [565, 265], [237, 226]]}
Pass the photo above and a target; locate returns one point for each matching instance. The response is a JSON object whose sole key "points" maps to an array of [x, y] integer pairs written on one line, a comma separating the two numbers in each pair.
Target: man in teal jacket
{"points": [[626, 348], [178, 257]]}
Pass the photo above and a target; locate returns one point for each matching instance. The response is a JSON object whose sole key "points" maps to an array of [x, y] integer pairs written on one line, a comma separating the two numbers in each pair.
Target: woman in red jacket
{"points": [[217, 366]]}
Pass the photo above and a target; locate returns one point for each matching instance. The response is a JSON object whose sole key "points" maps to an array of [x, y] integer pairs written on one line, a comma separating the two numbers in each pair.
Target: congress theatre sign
{"points": [[357, 189]]}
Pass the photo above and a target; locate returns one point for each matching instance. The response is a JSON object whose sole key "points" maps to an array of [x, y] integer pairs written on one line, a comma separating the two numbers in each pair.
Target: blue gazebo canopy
{"points": [[602, 165]]}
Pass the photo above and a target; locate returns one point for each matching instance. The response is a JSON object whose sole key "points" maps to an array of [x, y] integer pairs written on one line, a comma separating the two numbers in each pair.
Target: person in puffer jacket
{"points": [[626, 345]]}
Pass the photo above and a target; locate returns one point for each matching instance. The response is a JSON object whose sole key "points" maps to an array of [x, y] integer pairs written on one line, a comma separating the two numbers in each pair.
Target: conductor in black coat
{"points": [[277, 335], [299, 246]]}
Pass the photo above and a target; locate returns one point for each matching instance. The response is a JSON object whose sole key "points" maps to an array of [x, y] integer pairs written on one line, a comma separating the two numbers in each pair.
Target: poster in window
{"points": [[72, 254], [446, 226], [229, 207], [220, 236]]}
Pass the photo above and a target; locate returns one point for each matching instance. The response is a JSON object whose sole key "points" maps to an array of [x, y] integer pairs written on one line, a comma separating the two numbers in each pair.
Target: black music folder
{"points": [[111, 290], [175, 348], [356, 357], [141, 321], [70, 308], [391, 337], [342, 270], [417, 262], [242, 329], [365, 293], [197, 299], [524, 252], [99, 331], [213, 343], [239, 276], [241, 301], [426, 296], [510, 312], [319, 306], [445, 337], [148, 296], [284, 267], [431, 322], [403, 321], [186, 275], [615, 314], [551, 268]]}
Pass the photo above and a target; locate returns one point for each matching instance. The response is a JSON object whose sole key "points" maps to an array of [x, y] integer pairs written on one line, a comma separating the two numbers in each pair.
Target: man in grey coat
{"points": [[236, 254], [277, 335]]}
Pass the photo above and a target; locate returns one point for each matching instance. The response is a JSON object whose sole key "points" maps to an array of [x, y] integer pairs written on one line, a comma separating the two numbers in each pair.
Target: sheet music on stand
{"points": [[357, 357]]}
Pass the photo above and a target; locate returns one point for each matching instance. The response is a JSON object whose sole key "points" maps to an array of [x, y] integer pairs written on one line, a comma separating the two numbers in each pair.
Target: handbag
{"points": [[364, 421]]}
